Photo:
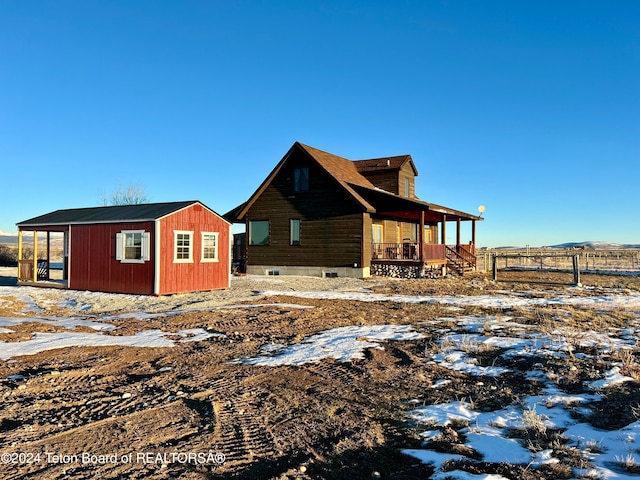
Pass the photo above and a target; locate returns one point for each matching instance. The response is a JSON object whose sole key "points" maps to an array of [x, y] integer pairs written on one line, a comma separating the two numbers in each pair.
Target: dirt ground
{"points": [[188, 412]]}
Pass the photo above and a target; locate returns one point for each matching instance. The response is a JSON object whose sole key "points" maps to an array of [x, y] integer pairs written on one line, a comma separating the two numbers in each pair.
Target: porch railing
{"points": [[407, 251], [25, 270]]}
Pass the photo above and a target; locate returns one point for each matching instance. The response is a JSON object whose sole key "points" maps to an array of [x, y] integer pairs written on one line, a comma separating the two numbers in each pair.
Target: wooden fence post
{"points": [[494, 267], [576, 270]]}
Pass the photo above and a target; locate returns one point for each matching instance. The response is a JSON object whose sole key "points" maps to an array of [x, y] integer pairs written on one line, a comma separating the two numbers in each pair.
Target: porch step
{"points": [[460, 264]]}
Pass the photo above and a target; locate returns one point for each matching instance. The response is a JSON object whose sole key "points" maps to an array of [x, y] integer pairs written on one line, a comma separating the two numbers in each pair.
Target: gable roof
{"points": [[112, 214], [340, 169], [350, 175]]}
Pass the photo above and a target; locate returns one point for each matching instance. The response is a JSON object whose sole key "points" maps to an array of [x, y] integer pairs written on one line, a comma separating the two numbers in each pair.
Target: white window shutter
{"points": [[146, 246], [119, 246]]}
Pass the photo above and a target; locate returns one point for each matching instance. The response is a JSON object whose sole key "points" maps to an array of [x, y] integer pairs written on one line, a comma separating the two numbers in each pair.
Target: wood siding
{"points": [[93, 260], [406, 172], [195, 275], [331, 222], [394, 180]]}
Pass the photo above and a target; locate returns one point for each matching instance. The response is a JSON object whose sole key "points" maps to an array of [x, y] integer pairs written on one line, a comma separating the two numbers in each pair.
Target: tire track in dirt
{"points": [[240, 432], [156, 430]]}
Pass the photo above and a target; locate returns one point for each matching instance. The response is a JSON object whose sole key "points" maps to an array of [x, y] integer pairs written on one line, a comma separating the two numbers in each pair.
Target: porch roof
{"points": [[392, 205]]}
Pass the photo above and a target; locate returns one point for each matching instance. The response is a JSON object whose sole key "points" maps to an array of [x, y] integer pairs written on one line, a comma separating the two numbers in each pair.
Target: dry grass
{"points": [[337, 420]]}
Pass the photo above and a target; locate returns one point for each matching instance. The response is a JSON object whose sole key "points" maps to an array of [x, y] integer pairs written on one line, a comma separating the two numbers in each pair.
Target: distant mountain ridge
{"points": [[8, 237], [591, 245], [11, 238], [596, 245]]}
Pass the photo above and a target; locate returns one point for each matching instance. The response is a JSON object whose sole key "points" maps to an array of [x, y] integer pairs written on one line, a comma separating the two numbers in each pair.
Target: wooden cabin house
{"points": [[149, 249], [323, 215]]}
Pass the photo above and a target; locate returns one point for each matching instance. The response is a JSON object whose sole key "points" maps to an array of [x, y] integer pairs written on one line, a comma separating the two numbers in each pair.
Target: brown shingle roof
{"points": [[340, 168], [343, 170], [384, 164], [348, 173]]}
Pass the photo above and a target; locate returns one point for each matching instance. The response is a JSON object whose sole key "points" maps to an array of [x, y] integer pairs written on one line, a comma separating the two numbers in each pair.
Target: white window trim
{"points": [[217, 237], [175, 246], [120, 246]]}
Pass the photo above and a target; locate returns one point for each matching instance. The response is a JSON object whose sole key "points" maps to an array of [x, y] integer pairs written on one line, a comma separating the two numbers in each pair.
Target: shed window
{"points": [[406, 187], [294, 238], [301, 179], [259, 232], [209, 246], [183, 246], [132, 246]]}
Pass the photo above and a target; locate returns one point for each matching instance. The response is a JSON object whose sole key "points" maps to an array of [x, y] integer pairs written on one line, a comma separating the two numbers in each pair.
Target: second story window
{"points": [[301, 179]]}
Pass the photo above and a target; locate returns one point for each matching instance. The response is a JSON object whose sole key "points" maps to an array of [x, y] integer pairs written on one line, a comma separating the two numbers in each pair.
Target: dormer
{"points": [[393, 174]]}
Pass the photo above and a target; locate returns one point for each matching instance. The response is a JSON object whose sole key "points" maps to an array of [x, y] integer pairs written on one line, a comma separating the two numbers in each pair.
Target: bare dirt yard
{"points": [[324, 379]]}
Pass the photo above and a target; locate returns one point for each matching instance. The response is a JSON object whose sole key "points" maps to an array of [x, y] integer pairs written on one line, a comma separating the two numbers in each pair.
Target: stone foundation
{"points": [[407, 271]]}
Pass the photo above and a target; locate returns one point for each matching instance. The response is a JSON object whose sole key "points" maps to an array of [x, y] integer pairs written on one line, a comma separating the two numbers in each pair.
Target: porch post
{"points": [[35, 255], [458, 222], [48, 254], [421, 236], [444, 229], [19, 252], [473, 233]]}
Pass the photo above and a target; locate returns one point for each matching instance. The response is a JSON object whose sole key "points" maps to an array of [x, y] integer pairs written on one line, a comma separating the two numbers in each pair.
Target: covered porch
{"points": [[419, 242], [43, 258]]}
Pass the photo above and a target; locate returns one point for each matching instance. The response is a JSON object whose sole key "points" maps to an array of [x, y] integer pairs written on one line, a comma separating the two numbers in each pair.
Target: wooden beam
{"points": [[458, 221], [444, 230]]}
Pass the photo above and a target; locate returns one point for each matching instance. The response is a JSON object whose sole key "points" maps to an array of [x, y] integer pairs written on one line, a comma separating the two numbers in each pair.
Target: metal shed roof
{"points": [[111, 214]]}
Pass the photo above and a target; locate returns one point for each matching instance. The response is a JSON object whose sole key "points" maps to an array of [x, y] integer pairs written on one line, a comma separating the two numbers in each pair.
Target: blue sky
{"points": [[531, 108]]}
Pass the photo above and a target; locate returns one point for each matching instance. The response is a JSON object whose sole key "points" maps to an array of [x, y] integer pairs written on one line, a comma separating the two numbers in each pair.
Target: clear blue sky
{"points": [[531, 108]]}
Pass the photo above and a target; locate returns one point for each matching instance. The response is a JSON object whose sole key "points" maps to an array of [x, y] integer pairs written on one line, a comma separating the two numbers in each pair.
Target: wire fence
{"points": [[588, 260]]}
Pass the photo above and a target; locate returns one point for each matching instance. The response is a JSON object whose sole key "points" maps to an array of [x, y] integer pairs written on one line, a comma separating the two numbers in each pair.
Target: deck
{"points": [[456, 258]]}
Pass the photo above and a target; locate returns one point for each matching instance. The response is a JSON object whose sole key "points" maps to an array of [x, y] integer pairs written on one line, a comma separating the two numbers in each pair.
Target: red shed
{"points": [[149, 249]]}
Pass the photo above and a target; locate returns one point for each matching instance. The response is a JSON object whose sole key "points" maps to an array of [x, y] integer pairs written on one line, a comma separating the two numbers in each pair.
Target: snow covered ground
{"points": [[610, 454]]}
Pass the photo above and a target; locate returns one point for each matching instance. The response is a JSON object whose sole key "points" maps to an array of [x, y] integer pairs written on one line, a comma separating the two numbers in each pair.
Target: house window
{"points": [[259, 232], [301, 179], [132, 246], [406, 187], [376, 233], [415, 229], [183, 246], [209, 246], [294, 237]]}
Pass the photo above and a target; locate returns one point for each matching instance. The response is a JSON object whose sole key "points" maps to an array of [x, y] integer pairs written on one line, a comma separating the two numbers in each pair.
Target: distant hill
{"points": [[9, 238], [596, 245], [579, 245]]}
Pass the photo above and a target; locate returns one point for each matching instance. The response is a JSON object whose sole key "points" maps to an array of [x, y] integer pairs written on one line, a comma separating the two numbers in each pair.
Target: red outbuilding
{"points": [[149, 249]]}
